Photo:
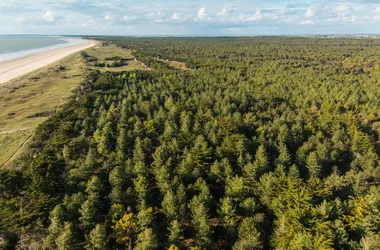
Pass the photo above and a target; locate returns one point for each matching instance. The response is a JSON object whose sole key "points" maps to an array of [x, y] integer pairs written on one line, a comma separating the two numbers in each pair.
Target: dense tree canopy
{"points": [[266, 143]]}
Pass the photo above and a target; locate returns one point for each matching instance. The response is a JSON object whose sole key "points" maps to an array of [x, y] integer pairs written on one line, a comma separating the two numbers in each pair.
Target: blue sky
{"points": [[185, 17]]}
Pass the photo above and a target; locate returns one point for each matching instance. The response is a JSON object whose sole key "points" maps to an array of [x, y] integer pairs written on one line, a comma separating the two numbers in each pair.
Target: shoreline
{"points": [[22, 53], [20, 66]]}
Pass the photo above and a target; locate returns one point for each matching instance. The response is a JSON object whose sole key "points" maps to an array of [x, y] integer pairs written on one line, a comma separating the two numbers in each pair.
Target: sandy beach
{"points": [[20, 66]]}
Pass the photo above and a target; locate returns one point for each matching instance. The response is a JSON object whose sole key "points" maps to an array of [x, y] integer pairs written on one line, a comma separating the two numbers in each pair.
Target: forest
{"points": [[264, 143]]}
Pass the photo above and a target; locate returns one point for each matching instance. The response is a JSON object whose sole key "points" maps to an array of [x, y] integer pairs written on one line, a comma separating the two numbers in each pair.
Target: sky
{"points": [[189, 17]]}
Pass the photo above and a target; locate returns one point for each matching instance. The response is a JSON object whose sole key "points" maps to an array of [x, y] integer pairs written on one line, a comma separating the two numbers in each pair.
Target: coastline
{"points": [[67, 42], [17, 67]]}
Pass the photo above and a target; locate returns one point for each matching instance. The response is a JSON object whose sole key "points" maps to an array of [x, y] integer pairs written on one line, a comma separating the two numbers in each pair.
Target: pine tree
{"points": [[249, 206], [146, 240], [227, 212], [312, 165], [201, 152], [139, 158], [204, 191], [370, 241], [144, 218], [185, 123], [249, 237], [284, 156], [182, 201], [97, 240], [67, 238], [117, 177], [220, 171], [89, 212], [57, 218], [142, 188], [176, 235], [105, 139], [138, 151], [236, 188], [94, 186], [170, 206], [117, 195], [169, 131], [261, 163], [91, 157], [163, 176], [124, 230], [199, 213], [122, 144]]}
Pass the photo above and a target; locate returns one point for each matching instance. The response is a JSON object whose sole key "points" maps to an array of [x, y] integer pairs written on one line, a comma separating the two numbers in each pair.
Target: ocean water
{"points": [[12, 47]]}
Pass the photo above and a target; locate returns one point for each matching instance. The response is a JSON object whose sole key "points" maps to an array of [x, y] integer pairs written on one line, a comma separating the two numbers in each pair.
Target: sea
{"points": [[17, 46]]}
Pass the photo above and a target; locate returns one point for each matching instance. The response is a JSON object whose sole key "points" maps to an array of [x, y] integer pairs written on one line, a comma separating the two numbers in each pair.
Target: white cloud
{"points": [[20, 19], [310, 12], [343, 8], [232, 29], [202, 13], [128, 18], [306, 22], [223, 12], [108, 18], [319, 11], [155, 14], [175, 16], [287, 12], [88, 23], [114, 16], [335, 19], [349, 19], [49, 16], [256, 17]]}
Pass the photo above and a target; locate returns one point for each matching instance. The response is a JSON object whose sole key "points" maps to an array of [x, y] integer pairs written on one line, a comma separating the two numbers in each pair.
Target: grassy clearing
{"points": [[10, 143], [29, 100], [100, 53], [174, 64]]}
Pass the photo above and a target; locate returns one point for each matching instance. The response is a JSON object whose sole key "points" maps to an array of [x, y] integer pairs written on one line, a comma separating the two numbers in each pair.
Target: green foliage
{"points": [[67, 239], [97, 238], [176, 234], [200, 218], [125, 229], [228, 214], [249, 237], [266, 143], [146, 240]]}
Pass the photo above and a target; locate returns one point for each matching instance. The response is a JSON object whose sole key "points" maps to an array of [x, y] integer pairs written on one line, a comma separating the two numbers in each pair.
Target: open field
{"points": [[29, 100], [174, 64], [100, 53]]}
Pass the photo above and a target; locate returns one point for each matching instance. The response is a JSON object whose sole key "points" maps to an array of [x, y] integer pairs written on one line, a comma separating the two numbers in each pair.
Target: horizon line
{"points": [[201, 35]]}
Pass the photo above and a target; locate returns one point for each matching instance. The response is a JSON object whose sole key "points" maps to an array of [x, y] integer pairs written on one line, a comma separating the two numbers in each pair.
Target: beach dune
{"points": [[14, 68]]}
